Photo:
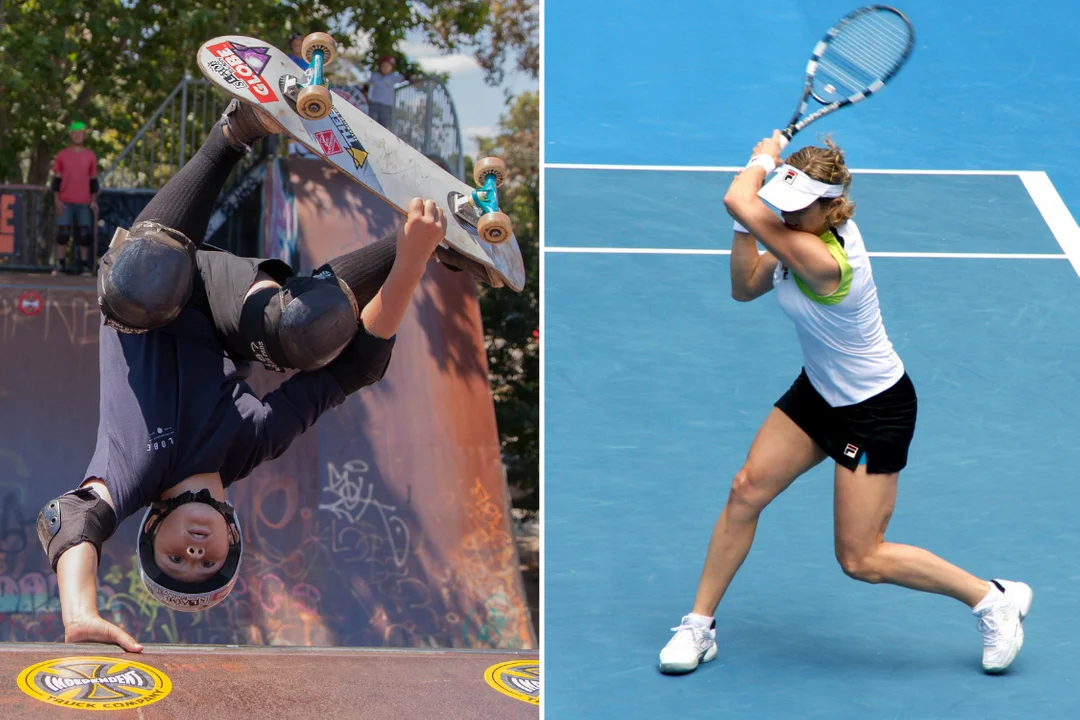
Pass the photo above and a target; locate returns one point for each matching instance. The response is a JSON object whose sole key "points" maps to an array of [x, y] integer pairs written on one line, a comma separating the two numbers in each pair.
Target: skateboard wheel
{"points": [[313, 102], [494, 228], [490, 166], [319, 41]]}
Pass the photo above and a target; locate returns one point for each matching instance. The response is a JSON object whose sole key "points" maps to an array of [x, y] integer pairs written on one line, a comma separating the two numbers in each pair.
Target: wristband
{"points": [[763, 161]]}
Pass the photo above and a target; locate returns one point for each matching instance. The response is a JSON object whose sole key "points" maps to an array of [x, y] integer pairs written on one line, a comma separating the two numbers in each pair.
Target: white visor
{"points": [[791, 189]]}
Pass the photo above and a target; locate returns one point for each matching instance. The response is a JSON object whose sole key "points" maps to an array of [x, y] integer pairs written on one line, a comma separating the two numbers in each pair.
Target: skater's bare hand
{"points": [[97, 629], [424, 229]]}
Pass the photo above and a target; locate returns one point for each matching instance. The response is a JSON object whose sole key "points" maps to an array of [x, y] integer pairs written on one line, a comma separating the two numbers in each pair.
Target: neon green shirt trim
{"points": [[837, 296]]}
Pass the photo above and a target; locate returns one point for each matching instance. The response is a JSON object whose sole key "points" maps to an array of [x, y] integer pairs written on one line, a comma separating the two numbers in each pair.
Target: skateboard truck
{"points": [[313, 101], [480, 208]]}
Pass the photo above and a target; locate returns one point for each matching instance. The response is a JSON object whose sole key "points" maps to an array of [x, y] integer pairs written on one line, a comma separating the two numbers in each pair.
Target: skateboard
{"points": [[324, 122]]}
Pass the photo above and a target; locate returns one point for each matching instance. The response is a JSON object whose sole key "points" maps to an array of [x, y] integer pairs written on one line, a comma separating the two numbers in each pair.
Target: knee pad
{"points": [[63, 234], [83, 235], [146, 277], [303, 325]]}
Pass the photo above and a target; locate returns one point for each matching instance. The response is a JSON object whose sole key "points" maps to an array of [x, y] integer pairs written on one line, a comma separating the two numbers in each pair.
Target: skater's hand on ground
{"points": [[96, 629], [424, 229]]}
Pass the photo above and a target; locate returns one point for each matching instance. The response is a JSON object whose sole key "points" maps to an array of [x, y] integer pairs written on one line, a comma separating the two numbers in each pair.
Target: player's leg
{"points": [[779, 454], [867, 471], [863, 505], [146, 279]]}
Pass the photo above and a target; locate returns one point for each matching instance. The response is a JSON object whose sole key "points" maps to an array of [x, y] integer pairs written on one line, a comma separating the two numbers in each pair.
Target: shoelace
{"points": [[695, 635], [990, 623]]}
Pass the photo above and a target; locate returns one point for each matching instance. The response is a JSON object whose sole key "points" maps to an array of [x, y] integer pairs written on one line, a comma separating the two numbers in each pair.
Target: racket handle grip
{"points": [[784, 139]]}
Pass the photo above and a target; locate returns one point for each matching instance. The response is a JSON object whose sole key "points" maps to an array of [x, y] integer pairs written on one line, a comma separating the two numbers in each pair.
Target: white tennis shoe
{"points": [[1001, 622], [693, 644]]}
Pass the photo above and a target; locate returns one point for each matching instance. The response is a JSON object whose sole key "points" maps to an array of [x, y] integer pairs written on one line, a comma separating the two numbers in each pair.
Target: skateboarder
{"points": [[75, 188], [178, 423]]}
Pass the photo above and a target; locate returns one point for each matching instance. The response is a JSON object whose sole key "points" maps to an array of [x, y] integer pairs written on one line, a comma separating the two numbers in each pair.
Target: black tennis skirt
{"points": [[876, 432]]}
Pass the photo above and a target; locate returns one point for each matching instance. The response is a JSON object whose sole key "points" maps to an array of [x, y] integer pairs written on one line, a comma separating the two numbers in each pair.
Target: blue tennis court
{"points": [[656, 380]]}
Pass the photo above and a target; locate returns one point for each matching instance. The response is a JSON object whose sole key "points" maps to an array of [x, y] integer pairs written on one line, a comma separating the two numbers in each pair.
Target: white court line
{"points": [[695, 251], [724, 168], [1055, 213]]}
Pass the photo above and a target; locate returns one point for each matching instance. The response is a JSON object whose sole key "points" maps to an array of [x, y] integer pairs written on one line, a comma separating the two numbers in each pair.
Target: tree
{"points": [[511, 320], [112, 62], [514, 30]]}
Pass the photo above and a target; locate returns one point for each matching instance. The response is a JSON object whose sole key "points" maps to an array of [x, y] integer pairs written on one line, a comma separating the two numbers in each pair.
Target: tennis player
{"points": [[853, 403]]}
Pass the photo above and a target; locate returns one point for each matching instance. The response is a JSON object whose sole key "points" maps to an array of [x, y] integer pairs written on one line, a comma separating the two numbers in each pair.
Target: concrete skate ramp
{"points": [[387, 525]]}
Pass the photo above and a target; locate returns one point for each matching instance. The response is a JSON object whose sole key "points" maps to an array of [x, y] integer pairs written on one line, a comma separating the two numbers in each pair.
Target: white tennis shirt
{"points": [[847, 354]]}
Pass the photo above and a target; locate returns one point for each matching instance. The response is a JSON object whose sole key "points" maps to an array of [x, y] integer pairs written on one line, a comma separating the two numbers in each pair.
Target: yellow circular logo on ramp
{"points": [[94, 683], [520, 679]]}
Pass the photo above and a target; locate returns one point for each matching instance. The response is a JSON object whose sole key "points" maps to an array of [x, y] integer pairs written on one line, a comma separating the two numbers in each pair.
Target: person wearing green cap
{"points": [[75, 188]]}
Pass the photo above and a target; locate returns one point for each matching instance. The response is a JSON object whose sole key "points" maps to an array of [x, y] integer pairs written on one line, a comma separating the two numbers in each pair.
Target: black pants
{"points": [[186, 204]]}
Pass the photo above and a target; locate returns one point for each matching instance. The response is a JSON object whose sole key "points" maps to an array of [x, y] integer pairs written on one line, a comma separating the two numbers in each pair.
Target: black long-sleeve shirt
{"points": [[173, 405]]}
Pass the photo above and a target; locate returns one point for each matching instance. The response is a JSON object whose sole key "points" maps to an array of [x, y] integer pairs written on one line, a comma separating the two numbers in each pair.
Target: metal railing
{"points": [[171, 136], [425, 117]]}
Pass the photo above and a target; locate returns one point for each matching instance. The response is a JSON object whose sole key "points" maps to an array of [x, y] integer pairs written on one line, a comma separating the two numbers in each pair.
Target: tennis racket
{"points": [[854, 60]]}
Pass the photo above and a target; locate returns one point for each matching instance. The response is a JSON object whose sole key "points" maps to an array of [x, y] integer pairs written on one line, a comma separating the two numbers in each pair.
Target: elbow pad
{"points": [[56, 184], [93, 186], [73, 518]]}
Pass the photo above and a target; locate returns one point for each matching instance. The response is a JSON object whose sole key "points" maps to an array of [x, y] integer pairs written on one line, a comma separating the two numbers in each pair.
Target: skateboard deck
{"points": [[258, 73]]}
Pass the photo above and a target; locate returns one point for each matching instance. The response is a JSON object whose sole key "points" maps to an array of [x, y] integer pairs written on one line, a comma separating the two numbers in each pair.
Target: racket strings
{"points": [[866, 50]]}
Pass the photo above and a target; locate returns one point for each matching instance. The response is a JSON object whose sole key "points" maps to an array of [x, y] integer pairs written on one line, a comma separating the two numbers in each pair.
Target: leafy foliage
{"points": [[111, 63], [511, 320]]}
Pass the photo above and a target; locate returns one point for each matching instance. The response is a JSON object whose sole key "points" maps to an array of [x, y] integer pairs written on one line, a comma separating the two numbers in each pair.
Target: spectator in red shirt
{"points": [[75, 188]]}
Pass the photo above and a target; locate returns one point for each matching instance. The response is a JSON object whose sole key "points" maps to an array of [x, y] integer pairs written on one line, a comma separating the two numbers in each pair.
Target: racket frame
{"points": [[798, 124]]}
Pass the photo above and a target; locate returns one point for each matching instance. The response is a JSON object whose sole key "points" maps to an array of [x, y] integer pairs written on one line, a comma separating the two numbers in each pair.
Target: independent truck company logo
{"points": [[520, 679], [230, 65], [94, 683]]}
